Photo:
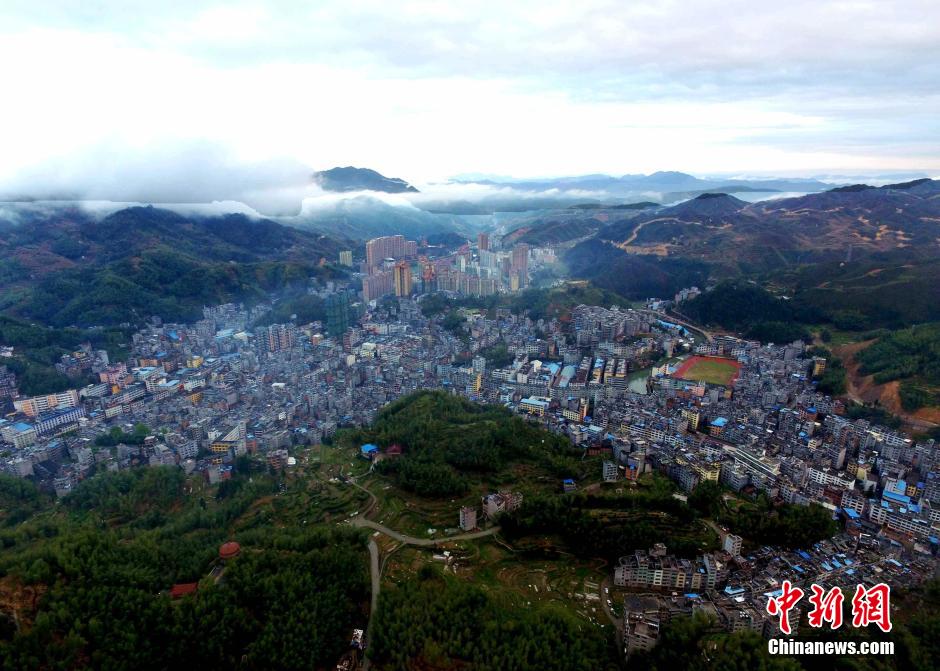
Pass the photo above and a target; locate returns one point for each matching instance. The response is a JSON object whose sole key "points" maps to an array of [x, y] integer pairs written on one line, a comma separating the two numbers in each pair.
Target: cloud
{"points": [[197, 172], [117, 99]]}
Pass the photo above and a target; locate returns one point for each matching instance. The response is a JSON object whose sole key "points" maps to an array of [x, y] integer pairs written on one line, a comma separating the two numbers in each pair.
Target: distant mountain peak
{"points": [[909, 185], [350, 178], [852, 188], [709, 196], [711, 205]]}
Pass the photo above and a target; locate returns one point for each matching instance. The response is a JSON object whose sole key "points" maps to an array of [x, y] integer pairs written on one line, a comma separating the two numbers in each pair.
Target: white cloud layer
{"points": [[137, 100]]}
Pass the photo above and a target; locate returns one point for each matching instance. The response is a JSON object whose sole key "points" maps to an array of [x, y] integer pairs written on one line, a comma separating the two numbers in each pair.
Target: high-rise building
{"points": [[377, 285], [429, 278], [389, 247], [520, 259], [279, 337], [337, 313], [483, 242], [402, 278], [345, 258]]}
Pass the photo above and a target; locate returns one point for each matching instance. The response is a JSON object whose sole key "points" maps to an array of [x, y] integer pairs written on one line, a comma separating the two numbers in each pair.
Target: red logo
{"points": [[869, 606], [783, 604], [872, 606], [827, 607]]}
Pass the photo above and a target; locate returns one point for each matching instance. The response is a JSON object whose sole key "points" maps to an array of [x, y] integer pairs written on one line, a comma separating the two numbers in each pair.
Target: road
{"points": [[639, 227], [673, 319], [375, 569], [614, 620], [373, 502], [422, 542], [376, 575]]}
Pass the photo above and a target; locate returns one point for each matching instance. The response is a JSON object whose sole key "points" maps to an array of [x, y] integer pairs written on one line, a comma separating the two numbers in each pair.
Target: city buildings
{"points": [[605, 379], [36, 405], [402, 279], [389, 247]]}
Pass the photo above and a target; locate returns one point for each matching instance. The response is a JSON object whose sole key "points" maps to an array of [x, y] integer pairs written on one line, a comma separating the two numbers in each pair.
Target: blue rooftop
{"points": [[720, 421], [899, 498]]}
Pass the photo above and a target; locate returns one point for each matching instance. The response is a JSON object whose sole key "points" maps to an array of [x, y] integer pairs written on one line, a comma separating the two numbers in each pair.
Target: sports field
{"points": [[710, 369]]}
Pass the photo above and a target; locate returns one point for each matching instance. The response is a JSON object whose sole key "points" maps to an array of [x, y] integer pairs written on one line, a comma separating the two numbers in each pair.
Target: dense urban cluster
{"points": [[647, 394]]}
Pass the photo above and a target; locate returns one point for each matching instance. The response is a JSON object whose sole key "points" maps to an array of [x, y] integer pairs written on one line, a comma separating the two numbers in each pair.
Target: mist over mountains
{"points": [[360, 203]]}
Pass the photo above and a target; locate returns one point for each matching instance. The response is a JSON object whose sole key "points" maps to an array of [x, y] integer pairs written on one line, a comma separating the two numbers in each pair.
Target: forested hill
{"points": [[450, 443], [86, 583], [65, 266]]}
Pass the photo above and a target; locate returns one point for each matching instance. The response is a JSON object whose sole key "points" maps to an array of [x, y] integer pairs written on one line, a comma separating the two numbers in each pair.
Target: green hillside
{"points": [[141, 261], [102, 565]]}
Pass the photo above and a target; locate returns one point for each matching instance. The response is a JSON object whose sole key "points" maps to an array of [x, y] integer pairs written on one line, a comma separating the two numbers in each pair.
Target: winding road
{"points": [[675, 319], [422, 542], [375, 567]]}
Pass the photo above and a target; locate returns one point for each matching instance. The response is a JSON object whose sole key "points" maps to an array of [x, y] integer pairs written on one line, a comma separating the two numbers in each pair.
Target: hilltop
{"points": [[360, 179]]}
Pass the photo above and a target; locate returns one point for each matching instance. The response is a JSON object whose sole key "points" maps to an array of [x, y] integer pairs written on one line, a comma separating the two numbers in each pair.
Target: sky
{"points": [[143, 100]]}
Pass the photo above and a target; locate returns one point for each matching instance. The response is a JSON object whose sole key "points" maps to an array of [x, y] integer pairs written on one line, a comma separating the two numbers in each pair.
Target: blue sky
{"points": [[106, 93]]}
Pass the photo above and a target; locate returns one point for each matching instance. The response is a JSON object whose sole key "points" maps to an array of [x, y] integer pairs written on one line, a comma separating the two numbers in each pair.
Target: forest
{"points": [[538, 303], [632, 276], [763, 523], [438, 623], [752, 311], [833, 380], [446, 440], [37, 348], [102, 565], [611, 525], [911, 355]]}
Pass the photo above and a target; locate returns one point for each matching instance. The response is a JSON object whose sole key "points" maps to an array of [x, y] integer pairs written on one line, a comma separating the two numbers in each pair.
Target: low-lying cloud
{"points": [[192, 173]]}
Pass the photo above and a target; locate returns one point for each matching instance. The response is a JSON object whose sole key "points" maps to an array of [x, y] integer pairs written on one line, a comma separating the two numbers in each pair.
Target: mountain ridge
{"points": [[351, 178]]}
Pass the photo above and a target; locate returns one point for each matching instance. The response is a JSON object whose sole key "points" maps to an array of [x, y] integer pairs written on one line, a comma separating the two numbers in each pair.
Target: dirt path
{"points": [[421, 542]]}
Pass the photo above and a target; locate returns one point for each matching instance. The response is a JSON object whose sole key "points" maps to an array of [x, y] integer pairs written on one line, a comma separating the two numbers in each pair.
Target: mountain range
{"points": [[867, 255], [663, 182], [64, 266]]}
